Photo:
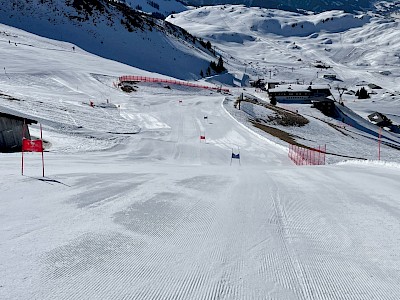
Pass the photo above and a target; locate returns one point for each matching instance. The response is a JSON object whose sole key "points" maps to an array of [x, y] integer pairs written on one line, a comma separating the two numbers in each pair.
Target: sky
{"points": [[135, 205]]}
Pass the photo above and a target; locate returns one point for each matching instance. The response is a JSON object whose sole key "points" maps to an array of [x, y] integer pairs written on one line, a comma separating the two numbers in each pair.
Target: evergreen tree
{"points": [[363, 94], [220, 64], [201, 74], [208, 73], [213, 66]]}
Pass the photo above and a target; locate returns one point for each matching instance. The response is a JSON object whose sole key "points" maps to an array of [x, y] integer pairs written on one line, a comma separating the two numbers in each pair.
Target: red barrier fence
{"points": [[304, 156], [169, 81]]}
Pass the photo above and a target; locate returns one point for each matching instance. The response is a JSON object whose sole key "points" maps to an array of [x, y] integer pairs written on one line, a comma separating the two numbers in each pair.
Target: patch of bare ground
{"points": [[288, 118], [289, 138], [127, 89], [282, 116], [282, 135]]}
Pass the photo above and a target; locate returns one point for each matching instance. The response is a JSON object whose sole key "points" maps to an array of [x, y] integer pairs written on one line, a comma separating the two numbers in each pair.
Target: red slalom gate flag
{"points": [[202, 137], [32, 145]]}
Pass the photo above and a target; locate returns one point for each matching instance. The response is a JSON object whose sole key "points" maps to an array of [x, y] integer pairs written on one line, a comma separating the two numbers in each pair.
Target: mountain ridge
{"points": [[294, 5], [115, 31]]}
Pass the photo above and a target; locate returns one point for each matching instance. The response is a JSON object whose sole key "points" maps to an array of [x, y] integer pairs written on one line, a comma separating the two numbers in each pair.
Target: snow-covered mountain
{"points": [[294, 5], [158, 8], [287, 44], [112, 30]]}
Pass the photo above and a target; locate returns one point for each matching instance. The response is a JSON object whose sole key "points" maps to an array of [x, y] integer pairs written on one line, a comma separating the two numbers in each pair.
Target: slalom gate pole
{"points": [[313, 157], [41, 138], [379, 143], [22, 149]]}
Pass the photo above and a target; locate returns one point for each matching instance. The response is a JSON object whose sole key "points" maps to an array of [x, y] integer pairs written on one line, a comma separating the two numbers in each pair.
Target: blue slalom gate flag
{"points": [[237, 156]]}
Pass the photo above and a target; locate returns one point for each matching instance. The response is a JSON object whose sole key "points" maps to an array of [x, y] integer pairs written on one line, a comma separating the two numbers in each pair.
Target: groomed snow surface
{"points": [[136, 206]]}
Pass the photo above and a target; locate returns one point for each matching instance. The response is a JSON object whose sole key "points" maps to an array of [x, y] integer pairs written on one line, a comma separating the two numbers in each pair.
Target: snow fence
{"points": [[129, 78], [304, 156]]}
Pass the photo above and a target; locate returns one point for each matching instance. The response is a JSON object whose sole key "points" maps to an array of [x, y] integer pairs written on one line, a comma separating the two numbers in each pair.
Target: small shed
{"points": [[379, 119], [11, 130]]}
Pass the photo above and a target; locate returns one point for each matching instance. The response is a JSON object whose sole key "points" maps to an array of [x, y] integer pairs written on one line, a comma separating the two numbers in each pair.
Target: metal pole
{"points": [[379, 143], [22, 149], [319, 155], [41, 138]]}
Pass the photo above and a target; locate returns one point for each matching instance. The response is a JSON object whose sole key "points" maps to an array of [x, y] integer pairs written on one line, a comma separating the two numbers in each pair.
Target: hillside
{"points": [[294, 5], [158, 8], [112, 30], [275, 45]]}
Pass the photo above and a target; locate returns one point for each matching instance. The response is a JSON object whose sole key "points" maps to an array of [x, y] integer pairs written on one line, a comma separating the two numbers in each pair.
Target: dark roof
{"points": [[378, 117], [374, 86], [322, 100], [20, 118]]}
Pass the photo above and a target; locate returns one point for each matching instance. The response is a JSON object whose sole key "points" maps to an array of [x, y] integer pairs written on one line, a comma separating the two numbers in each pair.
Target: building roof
{"points": [[322, 100], [298, 88], [377, 117], [19, 117]]}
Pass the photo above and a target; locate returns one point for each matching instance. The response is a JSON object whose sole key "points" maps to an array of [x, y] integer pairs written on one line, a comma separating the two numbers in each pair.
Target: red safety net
{"points": [[307, 156], [130, 78]]}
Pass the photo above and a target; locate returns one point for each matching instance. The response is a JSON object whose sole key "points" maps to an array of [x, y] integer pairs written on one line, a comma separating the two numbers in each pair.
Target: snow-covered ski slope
{"points": [[137, 207]]}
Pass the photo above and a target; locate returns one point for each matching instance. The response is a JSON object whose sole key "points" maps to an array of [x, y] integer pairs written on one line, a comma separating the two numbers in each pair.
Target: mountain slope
{"points": [[159, 8], [286, 45], [294, 5], [112, 30]]}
